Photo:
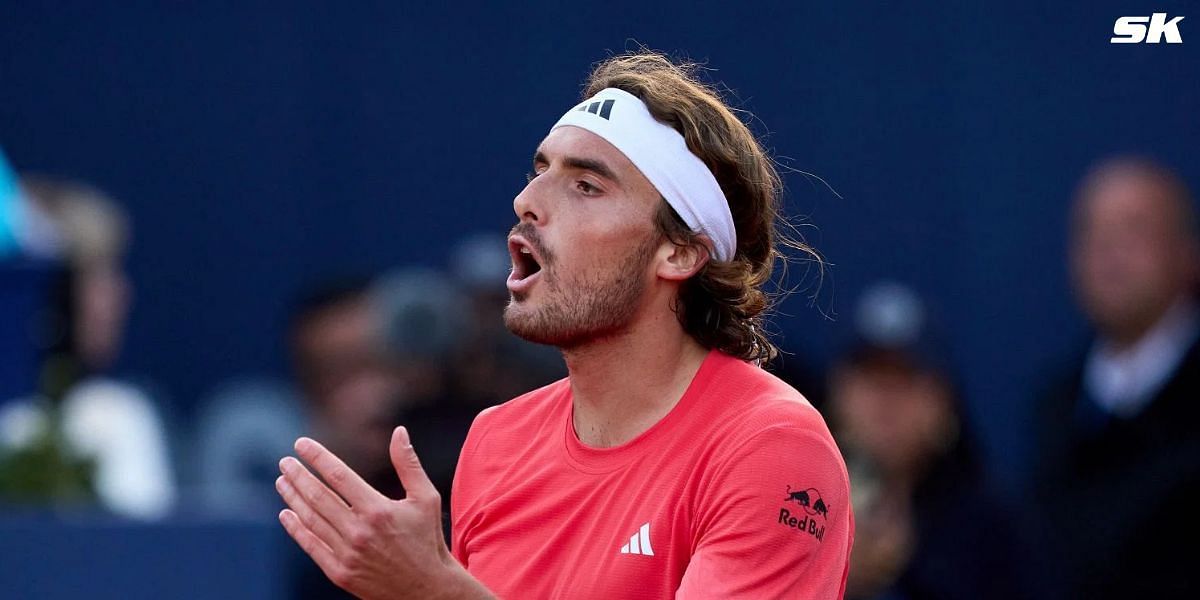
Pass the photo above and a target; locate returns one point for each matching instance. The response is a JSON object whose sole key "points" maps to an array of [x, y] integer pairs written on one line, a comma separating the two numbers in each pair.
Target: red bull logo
{"points": [[812, 505]]}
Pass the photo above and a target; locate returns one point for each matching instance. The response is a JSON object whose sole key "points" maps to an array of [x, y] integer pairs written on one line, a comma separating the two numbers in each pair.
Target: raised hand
{"points": [[366, 543]]}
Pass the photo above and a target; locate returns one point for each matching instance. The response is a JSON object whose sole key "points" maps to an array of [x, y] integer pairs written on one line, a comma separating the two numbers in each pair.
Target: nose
{"points": [[527, 204]]}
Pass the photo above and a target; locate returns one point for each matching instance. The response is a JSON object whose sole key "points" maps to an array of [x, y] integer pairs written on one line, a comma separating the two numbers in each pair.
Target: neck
{"points": [[623, 384], [1122, 339]]}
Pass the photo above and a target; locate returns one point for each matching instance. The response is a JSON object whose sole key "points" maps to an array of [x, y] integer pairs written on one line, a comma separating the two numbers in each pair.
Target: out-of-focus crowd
{"points": [[1106, 512]]}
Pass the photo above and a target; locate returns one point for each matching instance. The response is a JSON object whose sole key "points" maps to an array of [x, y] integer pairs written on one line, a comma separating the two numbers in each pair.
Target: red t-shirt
{"points": [[739, 492]]}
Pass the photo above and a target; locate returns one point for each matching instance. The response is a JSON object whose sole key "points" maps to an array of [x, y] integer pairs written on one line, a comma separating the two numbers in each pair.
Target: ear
{"points": [[679, 262]]}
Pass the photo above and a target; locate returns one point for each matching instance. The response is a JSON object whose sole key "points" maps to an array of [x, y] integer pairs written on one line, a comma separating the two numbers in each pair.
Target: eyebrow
{"points": [[584, 164]]}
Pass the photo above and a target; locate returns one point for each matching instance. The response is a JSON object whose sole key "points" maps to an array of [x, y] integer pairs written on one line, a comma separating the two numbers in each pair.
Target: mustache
{"points": [[528, 231]]}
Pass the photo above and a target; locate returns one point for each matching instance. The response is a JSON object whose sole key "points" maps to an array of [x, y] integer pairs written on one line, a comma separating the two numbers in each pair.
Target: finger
{"points": [[412, 476], [309, 517], [309, 542], [315, 493], [340, 477]]}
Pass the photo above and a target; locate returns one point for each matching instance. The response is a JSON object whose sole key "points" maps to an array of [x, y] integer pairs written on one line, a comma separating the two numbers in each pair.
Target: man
{"points": [[927, 524], [110, 439], [353, 389], [1118, 473], [665, 464]]}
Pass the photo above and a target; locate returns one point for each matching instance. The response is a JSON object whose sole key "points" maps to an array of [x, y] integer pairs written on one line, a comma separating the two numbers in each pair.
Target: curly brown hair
{"points": [[724, 304]]}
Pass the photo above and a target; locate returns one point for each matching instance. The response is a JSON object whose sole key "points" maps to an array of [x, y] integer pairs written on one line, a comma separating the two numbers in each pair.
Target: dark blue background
{"points": [[260, 145]]}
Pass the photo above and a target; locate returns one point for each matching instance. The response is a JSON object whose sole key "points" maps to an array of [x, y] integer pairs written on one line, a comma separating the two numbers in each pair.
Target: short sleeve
{"points": [[775, 521]]}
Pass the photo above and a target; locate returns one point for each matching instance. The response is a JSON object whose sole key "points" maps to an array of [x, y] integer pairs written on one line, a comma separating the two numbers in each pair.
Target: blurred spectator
{"points": [[353, 393], [367, 355], [348, 394], [426, 320], [351, 387], [926, 525], [105, 434], [411, 347], [349, 341], [242, 430], [1118, 463]]}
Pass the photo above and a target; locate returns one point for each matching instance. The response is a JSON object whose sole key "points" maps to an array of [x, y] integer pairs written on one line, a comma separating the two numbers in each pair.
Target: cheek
{"points": [[596, 249]]}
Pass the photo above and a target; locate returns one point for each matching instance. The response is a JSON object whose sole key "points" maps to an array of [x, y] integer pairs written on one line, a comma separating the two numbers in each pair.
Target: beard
{"points": [[578, 309]]}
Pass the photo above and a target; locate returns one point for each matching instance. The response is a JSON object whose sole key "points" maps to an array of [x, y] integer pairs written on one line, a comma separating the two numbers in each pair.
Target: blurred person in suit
{"points": [[928, 526], [1117, 472]]}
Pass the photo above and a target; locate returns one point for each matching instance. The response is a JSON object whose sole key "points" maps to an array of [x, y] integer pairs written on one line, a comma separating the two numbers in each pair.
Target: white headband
{"points": [[662, 155]]}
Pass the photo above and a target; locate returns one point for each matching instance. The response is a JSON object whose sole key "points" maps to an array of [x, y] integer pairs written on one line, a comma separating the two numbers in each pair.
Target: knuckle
{"points": [[306, 493], [359, 539], [431, 503], [340, 574], [376, 517], [338, 476]]}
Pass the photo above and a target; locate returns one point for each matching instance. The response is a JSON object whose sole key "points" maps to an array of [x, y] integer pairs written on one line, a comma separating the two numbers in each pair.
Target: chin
{"points": [[520, 320], [530, 325]]}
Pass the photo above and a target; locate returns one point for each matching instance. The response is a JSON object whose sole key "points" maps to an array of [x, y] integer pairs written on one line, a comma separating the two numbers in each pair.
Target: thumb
{"points": [[412, 476]]}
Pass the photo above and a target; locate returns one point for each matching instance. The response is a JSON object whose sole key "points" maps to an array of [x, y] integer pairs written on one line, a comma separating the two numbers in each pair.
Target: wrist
{"points": [[458, 584]]}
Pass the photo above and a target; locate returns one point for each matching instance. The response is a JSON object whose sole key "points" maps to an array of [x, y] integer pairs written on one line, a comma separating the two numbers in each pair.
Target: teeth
{"points": [[526, 251]]}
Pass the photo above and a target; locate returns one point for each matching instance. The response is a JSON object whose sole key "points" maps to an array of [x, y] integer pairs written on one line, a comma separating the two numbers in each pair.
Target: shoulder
{"points": [[501, 432], [755, 403], [766, 435], [775, 489], [516, 421]]}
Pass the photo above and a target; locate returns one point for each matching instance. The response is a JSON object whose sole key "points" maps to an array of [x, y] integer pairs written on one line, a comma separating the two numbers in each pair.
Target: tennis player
{"points": [[667, 464]]}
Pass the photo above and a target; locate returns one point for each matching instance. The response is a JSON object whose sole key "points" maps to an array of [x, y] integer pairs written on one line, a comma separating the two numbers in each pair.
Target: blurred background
{"points": [[224, 226]]}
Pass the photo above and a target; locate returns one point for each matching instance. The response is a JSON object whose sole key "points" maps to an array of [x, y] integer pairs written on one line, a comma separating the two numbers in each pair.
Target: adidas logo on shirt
{"points": [[639, 543]]}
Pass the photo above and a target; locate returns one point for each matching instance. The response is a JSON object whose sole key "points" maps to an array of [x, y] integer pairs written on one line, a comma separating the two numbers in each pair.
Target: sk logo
{"points": [[1130, 30]]}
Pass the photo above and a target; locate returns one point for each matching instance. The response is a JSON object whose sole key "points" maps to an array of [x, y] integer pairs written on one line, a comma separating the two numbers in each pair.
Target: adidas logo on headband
{"points": [[605, 108]]}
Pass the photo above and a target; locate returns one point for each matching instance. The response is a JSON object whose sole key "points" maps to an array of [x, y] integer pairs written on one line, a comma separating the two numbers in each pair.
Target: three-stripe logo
{"points": [[639, 543], [598, 108]]}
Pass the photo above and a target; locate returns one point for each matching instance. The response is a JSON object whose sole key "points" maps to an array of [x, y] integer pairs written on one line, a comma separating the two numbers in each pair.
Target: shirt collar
{"points": [[1124, 381]]}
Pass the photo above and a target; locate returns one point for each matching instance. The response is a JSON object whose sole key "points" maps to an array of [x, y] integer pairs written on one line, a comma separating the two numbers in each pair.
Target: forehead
{"points": [[343, 323], [580, 142], [1128, 195], [570, 142]]}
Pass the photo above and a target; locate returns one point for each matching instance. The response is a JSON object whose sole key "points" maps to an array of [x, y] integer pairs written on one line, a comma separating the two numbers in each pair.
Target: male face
{"points": [[898, 417], [583, 247], [1131, 252], [355, 391]]}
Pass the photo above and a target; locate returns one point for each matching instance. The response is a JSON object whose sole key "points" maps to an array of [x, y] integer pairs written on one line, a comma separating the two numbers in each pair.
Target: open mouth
{"points": [[525, 263]]}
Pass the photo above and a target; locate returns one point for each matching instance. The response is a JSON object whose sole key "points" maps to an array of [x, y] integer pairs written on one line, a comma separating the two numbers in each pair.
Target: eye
{"points": [[586, 187]]}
